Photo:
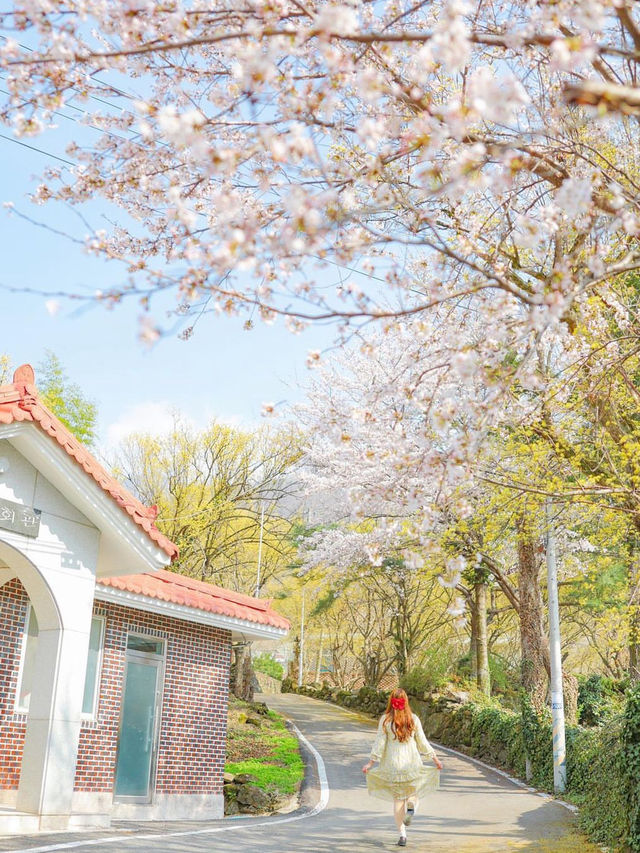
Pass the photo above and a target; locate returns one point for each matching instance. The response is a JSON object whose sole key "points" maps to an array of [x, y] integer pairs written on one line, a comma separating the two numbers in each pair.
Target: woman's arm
{"points": [[378, 747], [424, 747]]}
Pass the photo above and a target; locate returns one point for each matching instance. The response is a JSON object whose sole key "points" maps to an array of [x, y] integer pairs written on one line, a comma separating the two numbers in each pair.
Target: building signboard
{"points": [[19, 518]]}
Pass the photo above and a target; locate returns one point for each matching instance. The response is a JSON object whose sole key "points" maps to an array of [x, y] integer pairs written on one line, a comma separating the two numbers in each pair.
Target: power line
{"points": [[102, 82], [132, 139], [34, 148], [95, 127]]}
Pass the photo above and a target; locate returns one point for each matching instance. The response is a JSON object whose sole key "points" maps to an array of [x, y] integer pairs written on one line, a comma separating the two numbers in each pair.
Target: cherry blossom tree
{"points": [[441, 149], [467, 170]]}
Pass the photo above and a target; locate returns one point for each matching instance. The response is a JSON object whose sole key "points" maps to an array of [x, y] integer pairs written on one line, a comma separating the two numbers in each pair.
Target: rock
{"points": [[243, 778], [250, 795], [228, 778], [231, 807], [459, 697], [253, 721], [502, 758]]}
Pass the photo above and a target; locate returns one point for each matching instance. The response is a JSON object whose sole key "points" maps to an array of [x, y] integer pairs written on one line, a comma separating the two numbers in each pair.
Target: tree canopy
{"points": [[66, 399]]}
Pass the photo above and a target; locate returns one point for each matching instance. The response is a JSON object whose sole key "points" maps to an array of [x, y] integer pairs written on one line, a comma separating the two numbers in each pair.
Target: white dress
{"points": [[401, 773]]}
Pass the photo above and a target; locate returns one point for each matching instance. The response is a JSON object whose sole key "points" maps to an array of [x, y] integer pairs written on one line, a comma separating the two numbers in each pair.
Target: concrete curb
{"points": [[513, 779], [229, 824]]}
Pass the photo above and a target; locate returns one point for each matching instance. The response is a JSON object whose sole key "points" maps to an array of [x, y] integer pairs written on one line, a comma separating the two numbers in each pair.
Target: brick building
{"points": [[114, 672]]}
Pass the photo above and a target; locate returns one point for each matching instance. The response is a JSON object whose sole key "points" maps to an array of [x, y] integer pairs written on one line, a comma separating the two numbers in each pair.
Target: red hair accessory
{"points": [[398, 703]]}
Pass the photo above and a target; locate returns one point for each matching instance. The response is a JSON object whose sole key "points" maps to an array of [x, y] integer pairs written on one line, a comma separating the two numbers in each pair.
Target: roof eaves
{"points": [[19, 402], [138, 601]]}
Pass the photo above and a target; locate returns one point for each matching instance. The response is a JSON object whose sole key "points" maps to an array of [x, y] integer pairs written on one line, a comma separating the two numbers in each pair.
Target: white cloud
{"points": [[153, 417], [157, 417]]}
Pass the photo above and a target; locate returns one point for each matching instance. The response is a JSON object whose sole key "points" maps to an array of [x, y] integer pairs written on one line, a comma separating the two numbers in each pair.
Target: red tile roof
{"points": [[178, 589], [19, 401]]}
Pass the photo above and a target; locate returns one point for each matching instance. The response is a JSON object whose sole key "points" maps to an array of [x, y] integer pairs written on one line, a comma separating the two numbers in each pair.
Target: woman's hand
{"points": [[437, 762], [367, 767]]}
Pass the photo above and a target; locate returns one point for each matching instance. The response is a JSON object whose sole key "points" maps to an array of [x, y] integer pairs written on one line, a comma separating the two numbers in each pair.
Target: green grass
{"points": [[269, 752]]}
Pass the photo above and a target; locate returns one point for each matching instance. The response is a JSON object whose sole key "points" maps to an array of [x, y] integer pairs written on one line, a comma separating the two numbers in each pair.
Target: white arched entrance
{"points": [[53, 726]]}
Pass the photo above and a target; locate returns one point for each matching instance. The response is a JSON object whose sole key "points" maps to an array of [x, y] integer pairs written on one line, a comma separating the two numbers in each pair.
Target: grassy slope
{"points": [[269, 752]]}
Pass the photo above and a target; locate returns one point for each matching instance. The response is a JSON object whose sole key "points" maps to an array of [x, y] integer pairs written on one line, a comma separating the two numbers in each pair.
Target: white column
{"points": [[53, 727]]}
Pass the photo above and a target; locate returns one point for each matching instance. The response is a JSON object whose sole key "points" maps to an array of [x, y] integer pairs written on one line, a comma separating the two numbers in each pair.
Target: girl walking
{"points": [[401, 776]]}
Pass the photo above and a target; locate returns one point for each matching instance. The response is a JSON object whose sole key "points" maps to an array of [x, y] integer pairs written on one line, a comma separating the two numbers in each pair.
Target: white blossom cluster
{"points": [[473, 162]]}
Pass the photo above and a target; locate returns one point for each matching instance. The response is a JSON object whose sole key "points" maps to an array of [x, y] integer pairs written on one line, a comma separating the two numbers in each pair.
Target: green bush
{"points": [[597, 784], [269, 665], [430, 675], [629, 763], [504, 678], [599, 699]]}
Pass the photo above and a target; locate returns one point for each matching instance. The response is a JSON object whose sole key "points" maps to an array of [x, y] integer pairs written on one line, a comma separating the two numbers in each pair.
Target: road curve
{"points": [[475, 811]]}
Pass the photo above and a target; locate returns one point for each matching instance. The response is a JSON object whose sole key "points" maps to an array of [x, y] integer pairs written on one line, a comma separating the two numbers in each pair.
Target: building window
{"points": [[94, 664], [146, 645], [27, 661]]}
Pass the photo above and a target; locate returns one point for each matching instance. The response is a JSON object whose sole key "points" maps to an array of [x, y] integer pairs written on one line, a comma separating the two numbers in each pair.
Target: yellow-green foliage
{"points": [[272, 752], [211, 487]]}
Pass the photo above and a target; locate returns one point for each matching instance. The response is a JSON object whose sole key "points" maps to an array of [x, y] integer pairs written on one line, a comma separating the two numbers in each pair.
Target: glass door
{"points": [[140, 718]]}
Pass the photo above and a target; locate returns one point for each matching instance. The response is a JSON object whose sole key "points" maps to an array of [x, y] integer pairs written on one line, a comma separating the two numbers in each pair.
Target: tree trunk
{"points": [[473, 642], [482, 648], [294, 663], [570, 691], [402, 663], [247, 678], [370, 669], [242, 673], [533, 643]]}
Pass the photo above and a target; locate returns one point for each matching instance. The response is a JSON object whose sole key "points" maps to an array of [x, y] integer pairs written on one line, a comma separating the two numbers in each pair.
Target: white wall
{"points": [[57, 568]]}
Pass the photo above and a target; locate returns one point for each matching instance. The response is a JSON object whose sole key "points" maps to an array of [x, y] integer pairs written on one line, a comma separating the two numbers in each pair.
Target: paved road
{"points": [[475, 811]]}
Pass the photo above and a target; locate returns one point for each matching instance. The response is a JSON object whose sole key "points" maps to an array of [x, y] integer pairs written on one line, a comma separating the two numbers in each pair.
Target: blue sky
{"points": [[222, 372]]}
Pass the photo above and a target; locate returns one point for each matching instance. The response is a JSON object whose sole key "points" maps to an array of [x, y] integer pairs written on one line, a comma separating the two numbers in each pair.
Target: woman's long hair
{"points": [[400, 719]]}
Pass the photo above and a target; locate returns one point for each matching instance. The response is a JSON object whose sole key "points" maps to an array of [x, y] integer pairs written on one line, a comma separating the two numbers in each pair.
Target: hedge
{"points": [[603, 763]]}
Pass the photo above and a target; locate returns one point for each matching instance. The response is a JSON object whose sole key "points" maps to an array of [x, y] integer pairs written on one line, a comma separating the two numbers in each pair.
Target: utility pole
{"points": [[260, 551], [557, 697], [301, 657]]}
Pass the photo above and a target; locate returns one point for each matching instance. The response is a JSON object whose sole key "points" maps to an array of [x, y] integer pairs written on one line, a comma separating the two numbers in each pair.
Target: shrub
{"points": [[599, 699], [597, 783], [629, 763], [266, 663], [504, 678], [430, 675]]}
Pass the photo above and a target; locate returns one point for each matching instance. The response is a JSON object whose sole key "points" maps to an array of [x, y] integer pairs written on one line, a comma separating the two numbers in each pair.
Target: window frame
{"points": [[95, 704], [84, 715], [20, 709]]}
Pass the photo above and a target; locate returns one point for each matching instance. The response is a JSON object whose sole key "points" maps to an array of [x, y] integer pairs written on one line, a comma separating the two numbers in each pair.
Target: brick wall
{"points": [[194, 718], [13, 612]]}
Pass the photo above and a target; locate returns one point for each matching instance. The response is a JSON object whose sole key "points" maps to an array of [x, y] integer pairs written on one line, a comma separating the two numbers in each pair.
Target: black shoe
{"points": [[409, 815], [402, 841]]}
